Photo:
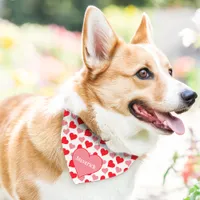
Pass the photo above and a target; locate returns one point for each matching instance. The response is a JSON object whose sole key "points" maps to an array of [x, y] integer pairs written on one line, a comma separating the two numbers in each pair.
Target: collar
{"points": [[87, 156]]}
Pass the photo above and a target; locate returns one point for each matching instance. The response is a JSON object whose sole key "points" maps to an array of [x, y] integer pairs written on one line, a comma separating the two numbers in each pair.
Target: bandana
{"points": [[87, 156]]}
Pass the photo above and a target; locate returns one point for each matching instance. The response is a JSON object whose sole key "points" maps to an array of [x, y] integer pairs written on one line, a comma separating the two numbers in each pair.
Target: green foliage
{"points": [[194, 193], [193, 79], [171, 167], [175, 3]]}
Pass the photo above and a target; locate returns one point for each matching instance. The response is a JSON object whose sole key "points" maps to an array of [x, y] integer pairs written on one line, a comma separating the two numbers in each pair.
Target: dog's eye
{"points": [[144, 74], [171, 72]]}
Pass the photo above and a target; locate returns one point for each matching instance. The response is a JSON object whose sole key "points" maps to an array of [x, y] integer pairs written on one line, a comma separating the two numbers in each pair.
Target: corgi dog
{"points": [[125, 93]]}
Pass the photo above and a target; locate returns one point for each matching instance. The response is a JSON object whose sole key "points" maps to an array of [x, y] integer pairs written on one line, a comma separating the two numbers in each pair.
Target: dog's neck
{"points": [[121, 133]]}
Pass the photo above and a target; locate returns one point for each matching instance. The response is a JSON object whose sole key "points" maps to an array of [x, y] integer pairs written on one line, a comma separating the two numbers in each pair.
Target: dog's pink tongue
{"points": [[173, 122]]}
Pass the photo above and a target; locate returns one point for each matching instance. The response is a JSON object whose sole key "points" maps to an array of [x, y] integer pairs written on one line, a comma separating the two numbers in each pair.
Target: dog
{"points": [[125, 93]]}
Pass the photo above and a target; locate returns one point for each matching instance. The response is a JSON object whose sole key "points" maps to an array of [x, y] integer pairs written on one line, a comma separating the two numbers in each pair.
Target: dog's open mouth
{"points": [[163, 121]]}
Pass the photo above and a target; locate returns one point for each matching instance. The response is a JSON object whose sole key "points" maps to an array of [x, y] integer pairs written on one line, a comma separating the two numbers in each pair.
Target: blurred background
{"points": [[40, 48]]}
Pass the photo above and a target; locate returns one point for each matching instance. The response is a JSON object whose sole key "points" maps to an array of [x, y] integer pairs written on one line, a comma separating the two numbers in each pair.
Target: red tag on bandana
{"points": [[87, 156]]}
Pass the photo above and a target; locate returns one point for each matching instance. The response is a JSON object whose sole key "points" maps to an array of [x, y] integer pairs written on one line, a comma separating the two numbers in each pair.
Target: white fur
{"points": [[121, 133], [4, 195], [117, 188], [125, 133], [72, 100], [172, 99], [123, 136]]}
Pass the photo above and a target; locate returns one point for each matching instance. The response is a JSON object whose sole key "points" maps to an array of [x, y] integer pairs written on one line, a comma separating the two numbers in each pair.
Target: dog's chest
{"points": [[116, 188]]}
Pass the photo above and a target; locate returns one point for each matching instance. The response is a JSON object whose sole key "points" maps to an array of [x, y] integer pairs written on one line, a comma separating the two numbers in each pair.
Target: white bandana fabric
{"points": [[87, 156]]}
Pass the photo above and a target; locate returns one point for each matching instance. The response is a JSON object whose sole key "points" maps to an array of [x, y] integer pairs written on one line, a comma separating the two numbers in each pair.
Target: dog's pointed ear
{"points": [[98, 40], [144, 31]]}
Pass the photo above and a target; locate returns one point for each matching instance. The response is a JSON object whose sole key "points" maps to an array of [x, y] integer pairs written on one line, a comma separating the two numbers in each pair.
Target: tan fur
{"points": [[30, 146], [119, 79], [32, 149]]}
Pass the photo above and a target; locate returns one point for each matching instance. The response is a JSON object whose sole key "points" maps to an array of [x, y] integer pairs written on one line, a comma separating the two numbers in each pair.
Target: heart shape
{"points": [[128, 162], [65, 151], [66, 131], [88, 144], [71, 146], [97, 147], [134, 157], [79, 146], [81, 178], [72, 136], [119, 159], [110, 174], [73, 175], [112, 154], [81, 139], [72, 125], [88, 133], [85, 163], [64, 140], [102, 142], [104, 152], [71, 163], [79, 130], [125, 169], [104, 170], [111, 164], [118, 169], [73, 116], [94, 177], [66, 113], [80, 121], [95, 138]]}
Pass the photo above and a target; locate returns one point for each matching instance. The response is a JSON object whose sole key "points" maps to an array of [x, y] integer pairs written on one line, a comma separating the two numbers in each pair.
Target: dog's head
{"points": [[129, 89]]}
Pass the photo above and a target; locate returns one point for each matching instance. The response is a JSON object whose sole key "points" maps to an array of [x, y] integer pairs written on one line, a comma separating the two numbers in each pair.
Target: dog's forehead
{"points": [[147, 54], [156, 55]]}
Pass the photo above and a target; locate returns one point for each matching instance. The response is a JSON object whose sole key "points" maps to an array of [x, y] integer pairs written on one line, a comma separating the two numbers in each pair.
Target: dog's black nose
{"points": [[189, 96]]}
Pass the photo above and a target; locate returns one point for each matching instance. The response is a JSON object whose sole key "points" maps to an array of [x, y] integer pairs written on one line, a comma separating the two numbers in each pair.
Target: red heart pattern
{"points": [[66, 131], [80, 121], [104, 152], [111, 164], [88, 144], [72, 125], [65, 151], [110, 174], [64, 140], [79, 146], [66, 113], [76, 137], [88, 133], [71, 163], [81, 139], [73, 175], [72, 136], [119, 159], [134, 157]]}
